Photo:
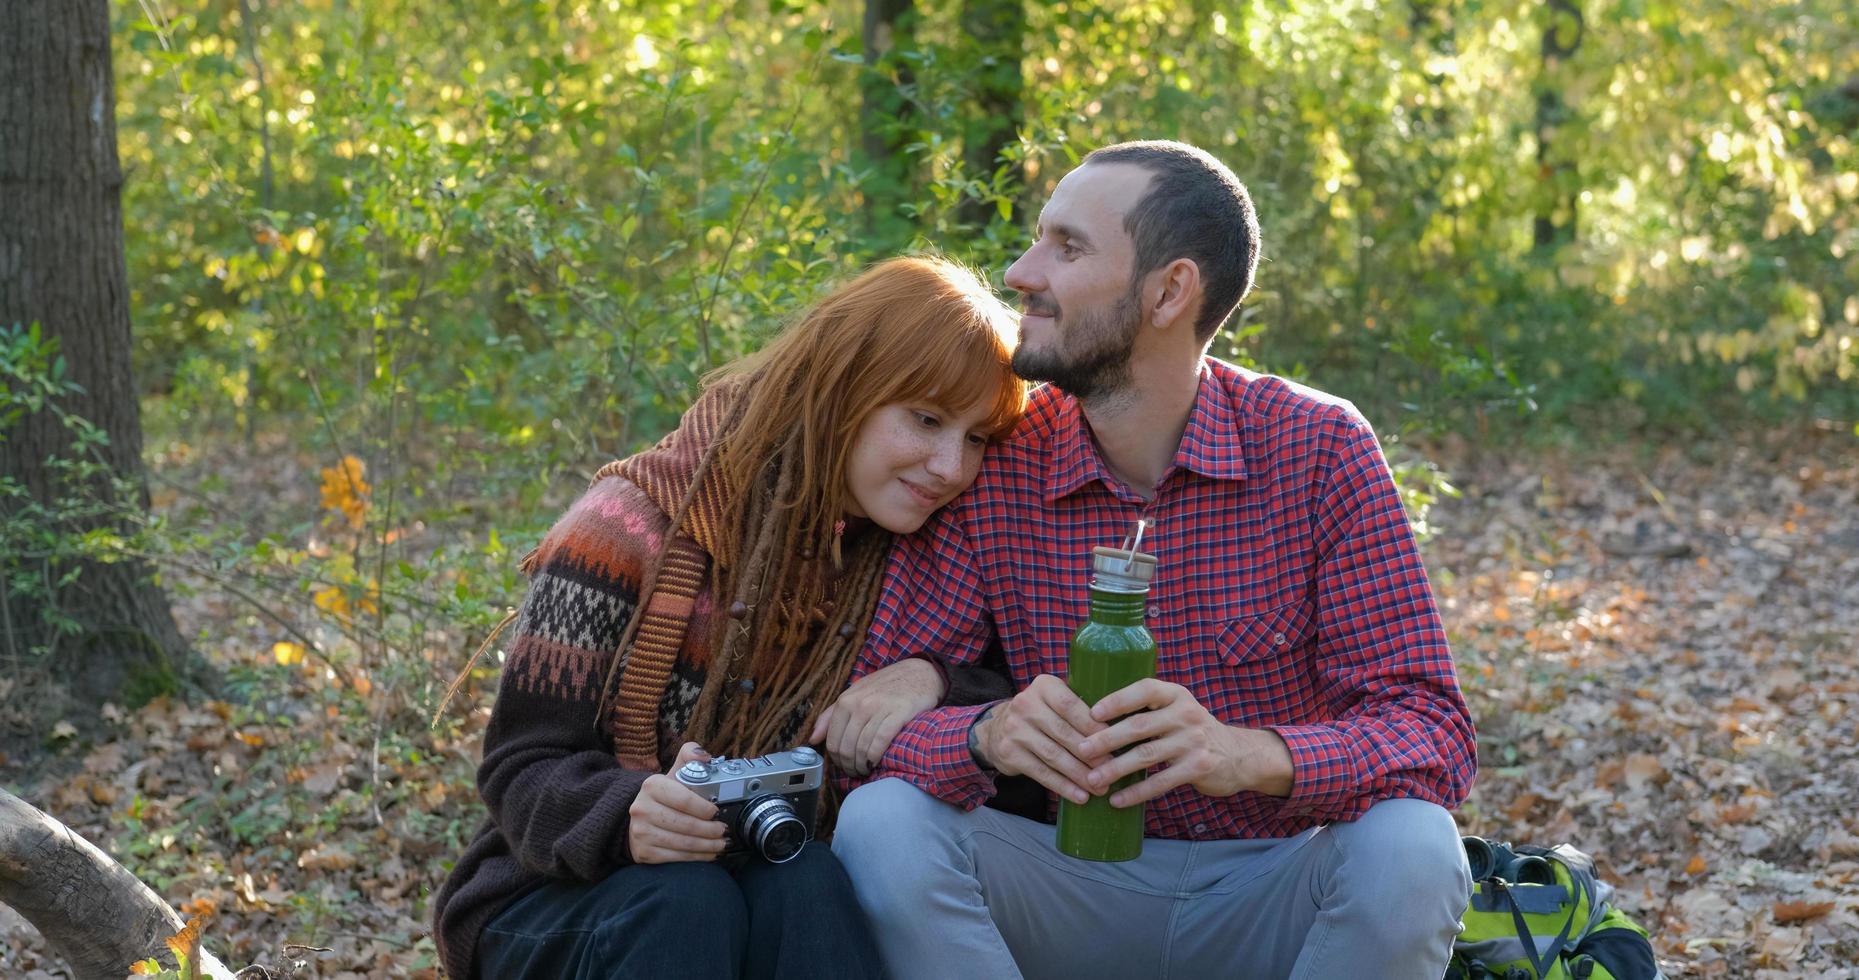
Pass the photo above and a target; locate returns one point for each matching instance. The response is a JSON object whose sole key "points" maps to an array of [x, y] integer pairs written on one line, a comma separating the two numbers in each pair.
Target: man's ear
{"points": [[1174, 294]]}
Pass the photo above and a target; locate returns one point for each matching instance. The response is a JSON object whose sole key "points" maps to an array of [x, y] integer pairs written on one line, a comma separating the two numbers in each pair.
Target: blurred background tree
{"points": [[538, 223], [455, 255], [400, 275]]}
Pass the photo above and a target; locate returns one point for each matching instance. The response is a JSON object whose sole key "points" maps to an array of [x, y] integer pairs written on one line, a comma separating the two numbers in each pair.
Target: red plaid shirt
{"points": [[1289, 595]]}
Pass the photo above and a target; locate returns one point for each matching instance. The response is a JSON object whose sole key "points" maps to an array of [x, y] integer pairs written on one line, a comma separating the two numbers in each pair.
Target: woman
{"points": [[636, 645]]}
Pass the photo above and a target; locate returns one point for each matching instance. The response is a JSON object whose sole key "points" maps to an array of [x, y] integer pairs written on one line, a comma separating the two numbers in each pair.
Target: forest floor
{"points": [[1660, 647]]}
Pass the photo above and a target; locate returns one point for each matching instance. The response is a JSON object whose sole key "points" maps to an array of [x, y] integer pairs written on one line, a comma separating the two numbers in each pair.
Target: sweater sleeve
{"points": [[981, 683], [549, 778]]}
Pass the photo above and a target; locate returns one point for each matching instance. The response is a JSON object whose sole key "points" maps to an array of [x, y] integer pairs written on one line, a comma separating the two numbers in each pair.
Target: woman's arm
{"points": [[549, 777]]}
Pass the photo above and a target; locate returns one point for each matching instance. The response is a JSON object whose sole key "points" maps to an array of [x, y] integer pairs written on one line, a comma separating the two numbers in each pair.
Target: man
{"points": [[1305, 734]]}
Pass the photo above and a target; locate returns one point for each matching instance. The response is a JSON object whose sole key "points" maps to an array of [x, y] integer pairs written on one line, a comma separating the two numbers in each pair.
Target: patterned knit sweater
{"points": [[557, 795]]}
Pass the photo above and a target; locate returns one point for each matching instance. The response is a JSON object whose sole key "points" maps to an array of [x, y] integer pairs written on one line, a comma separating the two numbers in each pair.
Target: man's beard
{"points": [[1088, 358]]}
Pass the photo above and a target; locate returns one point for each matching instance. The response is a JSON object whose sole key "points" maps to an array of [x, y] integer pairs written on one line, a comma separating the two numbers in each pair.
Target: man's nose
{"points": [[1020, 277]]}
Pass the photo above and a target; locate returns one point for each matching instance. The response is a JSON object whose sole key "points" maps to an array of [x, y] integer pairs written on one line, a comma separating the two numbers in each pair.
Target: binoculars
{"points": [[1495, 859]]}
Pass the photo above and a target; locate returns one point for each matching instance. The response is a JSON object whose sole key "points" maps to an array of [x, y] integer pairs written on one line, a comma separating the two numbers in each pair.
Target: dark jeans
{"points": [[744, 918]]}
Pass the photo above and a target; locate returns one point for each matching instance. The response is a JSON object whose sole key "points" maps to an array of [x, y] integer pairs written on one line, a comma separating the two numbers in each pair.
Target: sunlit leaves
{"points": [[344, 490], [287, 653]]}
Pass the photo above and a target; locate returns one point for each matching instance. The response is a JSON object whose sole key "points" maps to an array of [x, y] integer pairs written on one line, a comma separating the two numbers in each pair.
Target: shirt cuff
{"points": [[1323, 778], [932, 755]]}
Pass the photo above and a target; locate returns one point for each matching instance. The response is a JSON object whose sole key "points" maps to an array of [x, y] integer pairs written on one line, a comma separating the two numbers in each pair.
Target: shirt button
{"points": [[1153, 611], [1278, 638], [1200, 828]]}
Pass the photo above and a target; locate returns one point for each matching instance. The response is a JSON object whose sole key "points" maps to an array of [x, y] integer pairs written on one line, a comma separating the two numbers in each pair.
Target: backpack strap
{"points": [[1583, 891]]}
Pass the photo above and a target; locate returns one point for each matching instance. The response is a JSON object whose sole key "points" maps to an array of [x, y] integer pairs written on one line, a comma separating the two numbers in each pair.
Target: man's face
{"points": [[1080, 313]]}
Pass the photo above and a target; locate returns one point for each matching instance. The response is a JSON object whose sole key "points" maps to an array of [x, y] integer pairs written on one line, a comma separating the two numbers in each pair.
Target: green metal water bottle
{"points": [[1111, 651]]}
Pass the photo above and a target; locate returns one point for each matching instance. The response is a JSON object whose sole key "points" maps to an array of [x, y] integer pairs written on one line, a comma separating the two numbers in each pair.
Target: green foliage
{"points": [[520, 234], [440, 261], [77, 516], [487, 250], [484, 248]]}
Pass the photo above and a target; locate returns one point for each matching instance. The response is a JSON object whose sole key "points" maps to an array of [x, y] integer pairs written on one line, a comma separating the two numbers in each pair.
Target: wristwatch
{"points": [[974, 744]]}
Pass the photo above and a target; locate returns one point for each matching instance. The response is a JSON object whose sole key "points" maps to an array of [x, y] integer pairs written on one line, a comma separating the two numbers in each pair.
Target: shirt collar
{"points": [[1212, 444]]}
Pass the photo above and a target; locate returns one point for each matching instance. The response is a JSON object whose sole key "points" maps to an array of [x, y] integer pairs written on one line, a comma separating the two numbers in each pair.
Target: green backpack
{"points": [[1539, 913]]}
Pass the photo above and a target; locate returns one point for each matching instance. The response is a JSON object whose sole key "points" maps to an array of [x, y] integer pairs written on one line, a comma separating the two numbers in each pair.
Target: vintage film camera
{"points": [[768, 803]]}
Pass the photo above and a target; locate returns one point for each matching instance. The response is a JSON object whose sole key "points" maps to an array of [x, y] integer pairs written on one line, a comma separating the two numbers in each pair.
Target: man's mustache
{"points": [[1034, 305]]}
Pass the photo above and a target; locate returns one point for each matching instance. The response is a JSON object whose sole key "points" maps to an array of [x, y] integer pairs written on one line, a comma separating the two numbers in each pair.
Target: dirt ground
{"points": [[1660, 648]]}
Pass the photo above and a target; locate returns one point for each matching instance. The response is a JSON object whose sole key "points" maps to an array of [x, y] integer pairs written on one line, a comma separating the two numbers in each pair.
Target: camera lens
{"points": [[771, 826]]}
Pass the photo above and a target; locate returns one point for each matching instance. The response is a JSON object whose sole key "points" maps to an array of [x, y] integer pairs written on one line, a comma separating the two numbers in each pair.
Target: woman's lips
{"points": [[927, 498]]}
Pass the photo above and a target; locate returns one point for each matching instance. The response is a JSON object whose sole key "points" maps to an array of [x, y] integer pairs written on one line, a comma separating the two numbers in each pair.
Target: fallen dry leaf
{"points": [[187, 941], [322, 779], [204, 905], [1791, 912], [102, 794]]}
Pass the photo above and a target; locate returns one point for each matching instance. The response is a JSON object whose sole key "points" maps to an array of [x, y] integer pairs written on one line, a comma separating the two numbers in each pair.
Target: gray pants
{"points": [[987, 895]]}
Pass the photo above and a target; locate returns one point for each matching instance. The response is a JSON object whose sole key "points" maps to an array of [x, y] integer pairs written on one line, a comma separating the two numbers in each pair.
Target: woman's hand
{"points": [[669, 822], [859, 726]]}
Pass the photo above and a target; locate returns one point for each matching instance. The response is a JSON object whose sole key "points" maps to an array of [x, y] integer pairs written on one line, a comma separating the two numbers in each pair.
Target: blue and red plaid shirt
{"points": [[1289, 596]]}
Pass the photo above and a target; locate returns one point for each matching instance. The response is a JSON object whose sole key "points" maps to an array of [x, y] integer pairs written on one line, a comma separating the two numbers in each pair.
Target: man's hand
{"points": [[669, 822], [861, 724], [1167, 727], [1035, 733]]}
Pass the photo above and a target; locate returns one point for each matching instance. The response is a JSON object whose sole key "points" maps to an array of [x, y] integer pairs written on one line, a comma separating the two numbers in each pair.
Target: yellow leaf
{"points": [[146, 968], [331, 600], [288, 653], [1697, 865], [344, 490]]}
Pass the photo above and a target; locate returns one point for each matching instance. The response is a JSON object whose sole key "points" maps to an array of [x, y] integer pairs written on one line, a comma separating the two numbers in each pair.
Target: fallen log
{"points": [[97, 915]]}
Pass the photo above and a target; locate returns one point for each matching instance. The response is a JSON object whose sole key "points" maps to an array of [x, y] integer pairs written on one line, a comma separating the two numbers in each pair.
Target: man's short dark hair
{"points": [[1195, 209]]}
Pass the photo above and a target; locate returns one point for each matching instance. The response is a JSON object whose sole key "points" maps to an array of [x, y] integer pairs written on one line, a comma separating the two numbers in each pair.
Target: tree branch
{"points": [[98, 916]]}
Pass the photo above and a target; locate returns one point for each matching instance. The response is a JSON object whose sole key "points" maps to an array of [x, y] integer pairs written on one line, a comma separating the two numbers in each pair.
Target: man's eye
{"points": [[1069, 250]]}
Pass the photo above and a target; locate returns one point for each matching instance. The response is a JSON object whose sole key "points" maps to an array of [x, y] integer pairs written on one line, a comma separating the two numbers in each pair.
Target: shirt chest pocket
{"points": [[1259, 670], [1251, 641]]}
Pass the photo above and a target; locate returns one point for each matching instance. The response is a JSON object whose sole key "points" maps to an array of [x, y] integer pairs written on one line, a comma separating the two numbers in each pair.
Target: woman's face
{"points": [[909, 458]]}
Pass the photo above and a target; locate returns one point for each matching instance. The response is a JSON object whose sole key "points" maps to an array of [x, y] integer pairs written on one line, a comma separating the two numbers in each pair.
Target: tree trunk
{"points": [[61, 265], [998, 28], [884, 116], [98, 916], [1559, 194]]}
